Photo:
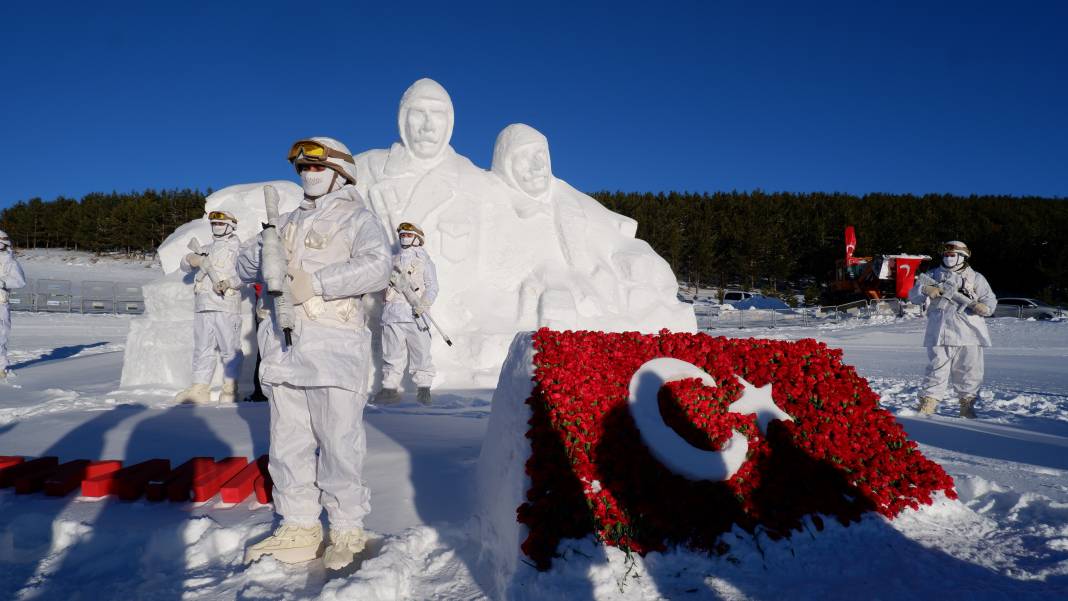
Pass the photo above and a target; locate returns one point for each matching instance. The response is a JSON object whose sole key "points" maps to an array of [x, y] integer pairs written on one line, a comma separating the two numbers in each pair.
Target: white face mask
{"points": [[221, 229], [407, 241], [952, 261], [317, 183]]}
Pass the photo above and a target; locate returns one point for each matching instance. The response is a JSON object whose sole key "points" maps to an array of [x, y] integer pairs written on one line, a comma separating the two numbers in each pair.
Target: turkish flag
{"points": [[906, 274], [851, 245]]}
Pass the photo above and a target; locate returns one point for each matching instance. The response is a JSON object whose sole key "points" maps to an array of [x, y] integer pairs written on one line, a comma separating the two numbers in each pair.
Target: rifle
{"points": [[273, 262], [399, 281], [949, 290], [205, 265]]}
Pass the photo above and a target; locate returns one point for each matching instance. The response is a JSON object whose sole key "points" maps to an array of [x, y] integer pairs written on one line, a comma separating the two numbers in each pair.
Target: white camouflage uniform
{"points": [[401, 330], [11, 277], [955, 335], [318, 386], [217, 318]]}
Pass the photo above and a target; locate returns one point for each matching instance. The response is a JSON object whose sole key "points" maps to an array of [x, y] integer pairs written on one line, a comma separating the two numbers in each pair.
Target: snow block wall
{"points": [[650, 441], [159, 347]]}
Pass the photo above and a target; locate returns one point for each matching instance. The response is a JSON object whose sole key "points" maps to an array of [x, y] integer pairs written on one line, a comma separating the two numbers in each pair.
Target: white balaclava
{"points": [[425, 142], [521, 158], [318, 183], [953, 261], [220, 229]]}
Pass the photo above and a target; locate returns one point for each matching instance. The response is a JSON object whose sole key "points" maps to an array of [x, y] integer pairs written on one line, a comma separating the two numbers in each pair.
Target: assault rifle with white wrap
{"points": [[274, 262], [399, 281], [950, 290], [206, 265]]}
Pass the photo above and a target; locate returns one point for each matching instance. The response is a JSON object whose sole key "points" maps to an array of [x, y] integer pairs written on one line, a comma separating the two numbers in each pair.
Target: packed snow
{"points": [[444, 521]]}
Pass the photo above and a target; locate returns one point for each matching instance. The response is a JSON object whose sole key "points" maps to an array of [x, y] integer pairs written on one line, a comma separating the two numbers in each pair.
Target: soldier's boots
{"points": [[344, 545], [197, 393], [387, 396], [229, 392], [928, 404], [289, 544], [423, 396], [967, 407]]}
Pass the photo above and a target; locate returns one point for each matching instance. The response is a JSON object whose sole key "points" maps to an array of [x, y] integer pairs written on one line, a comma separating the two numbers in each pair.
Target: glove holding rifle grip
{"points": [[274, 261]]}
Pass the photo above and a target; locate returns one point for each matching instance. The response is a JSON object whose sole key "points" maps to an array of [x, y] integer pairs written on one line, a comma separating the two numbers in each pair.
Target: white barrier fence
{"points": [[55, 296], [711, 317]]}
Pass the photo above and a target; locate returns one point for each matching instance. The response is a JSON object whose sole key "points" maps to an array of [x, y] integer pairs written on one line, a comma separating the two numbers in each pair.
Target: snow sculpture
{"points": [[516, 248], [159, 347], [607, 277], [670, 448]]}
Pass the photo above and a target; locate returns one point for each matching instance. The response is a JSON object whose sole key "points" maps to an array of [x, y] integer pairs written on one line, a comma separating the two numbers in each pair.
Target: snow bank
{"points": [[501, 480]]}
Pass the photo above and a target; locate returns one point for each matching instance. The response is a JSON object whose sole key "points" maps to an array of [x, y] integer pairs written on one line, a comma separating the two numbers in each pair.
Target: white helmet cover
{"points": [[344, 168], [957, 246]]}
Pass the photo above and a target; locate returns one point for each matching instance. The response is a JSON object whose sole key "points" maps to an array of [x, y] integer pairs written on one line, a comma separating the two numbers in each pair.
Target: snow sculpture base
{"points": [[159, 347], [501, 478]]}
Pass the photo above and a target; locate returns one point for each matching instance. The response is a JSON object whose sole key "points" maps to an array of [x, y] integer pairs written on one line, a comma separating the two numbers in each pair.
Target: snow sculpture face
{"points": [[425, 119], [521, 158]]}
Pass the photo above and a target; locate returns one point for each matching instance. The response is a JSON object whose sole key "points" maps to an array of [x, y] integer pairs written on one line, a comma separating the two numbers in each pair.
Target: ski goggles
{"points": [[221, 216], [314, 152]]}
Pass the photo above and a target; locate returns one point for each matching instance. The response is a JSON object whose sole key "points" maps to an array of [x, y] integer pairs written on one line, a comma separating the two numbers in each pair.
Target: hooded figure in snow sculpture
{"points": [[421, 179], [608, 273]]}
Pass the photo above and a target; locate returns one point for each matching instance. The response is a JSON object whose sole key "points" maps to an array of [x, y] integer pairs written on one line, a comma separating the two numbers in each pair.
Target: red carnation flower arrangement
{"points": [[842, 454]]}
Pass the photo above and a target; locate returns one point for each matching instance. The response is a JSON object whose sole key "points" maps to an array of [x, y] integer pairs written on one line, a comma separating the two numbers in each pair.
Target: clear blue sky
{"points": [[968, 97]]}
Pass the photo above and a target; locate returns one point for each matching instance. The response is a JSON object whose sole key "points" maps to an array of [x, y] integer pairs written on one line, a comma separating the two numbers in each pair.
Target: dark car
{"points": [[1026, 308]]}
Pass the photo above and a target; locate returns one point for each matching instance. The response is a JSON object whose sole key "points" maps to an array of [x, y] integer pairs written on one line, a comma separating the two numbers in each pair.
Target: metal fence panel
{"points": [[98, 297], [53, 295], [20, 300]]}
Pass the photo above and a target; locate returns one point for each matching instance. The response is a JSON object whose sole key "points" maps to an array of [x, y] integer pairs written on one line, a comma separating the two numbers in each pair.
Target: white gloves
{"points": [[982, 310], [194, 259], [300, 285], [421, 307], [931, 291], [222, 286]]}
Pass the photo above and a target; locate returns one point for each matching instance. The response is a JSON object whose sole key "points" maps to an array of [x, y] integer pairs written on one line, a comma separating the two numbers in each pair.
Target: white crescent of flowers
{"points": [[670, 448]]}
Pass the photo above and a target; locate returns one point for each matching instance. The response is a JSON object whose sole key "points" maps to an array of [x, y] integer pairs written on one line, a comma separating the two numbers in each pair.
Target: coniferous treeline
{"points": [[129, 222], [745, 238], [761, 239]]}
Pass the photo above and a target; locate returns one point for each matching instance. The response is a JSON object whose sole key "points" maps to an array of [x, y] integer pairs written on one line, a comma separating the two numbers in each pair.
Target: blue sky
{"points": [[965, 97]]}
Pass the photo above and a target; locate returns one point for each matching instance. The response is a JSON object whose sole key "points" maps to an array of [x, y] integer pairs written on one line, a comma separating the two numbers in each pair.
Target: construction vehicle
{"points": [[876, 277]]}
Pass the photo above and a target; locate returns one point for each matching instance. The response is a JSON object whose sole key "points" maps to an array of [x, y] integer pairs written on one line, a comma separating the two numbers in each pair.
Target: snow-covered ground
{"points": [[1007, 537]]}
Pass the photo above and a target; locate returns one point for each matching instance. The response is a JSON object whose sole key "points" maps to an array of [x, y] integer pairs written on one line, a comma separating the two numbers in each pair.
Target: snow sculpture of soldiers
{"points": [[607, 272], [956, 332], [405, 330], [216, 312], [337, 252], [11, 277]]}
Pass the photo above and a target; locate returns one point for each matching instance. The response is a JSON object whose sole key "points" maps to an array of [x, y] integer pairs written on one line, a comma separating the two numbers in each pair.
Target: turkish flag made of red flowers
{"points": [[591, 472]]}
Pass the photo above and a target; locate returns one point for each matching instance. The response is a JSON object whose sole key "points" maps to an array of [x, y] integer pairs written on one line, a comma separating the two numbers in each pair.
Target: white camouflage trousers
{"points": [[406, 338], [5, 330], [329, 419], [216, 331], [958, 366]]}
